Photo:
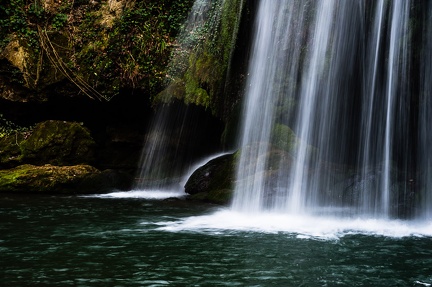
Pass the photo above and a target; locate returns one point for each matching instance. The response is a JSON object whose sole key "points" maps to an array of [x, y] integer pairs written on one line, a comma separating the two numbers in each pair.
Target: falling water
{"points": [[275, 26], [330, 80], [160, 164], [318, 94], [174, 139], [380, 115]]}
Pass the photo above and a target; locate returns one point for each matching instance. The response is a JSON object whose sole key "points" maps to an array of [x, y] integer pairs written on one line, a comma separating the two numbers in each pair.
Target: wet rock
{"points": [[214, 181], [284, 138]]}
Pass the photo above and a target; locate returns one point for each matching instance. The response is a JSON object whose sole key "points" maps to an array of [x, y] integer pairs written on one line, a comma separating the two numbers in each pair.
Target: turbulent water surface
{"points": [[131, 239]]}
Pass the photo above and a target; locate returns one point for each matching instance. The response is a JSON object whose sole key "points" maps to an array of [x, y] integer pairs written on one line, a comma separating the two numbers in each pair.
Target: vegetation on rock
{"points": [[53, 142], [285, 139], [61, 151], [56, 179], [60, 143], [10, 151], [200, 64], [98, 46]]}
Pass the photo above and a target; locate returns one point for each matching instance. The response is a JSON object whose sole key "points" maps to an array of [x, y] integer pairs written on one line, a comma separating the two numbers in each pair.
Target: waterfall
{"points": [[328, 122]]}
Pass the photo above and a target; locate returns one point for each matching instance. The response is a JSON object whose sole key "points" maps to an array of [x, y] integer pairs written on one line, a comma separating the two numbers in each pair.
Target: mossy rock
{"points": [[214, 181], [59, 143], [10, 152], [175, 90], [284, 138], [200, 62], [51, 179]]}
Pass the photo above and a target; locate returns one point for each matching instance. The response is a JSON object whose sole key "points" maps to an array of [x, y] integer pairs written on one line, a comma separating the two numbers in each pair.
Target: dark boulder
{"points": [[214, 181]]}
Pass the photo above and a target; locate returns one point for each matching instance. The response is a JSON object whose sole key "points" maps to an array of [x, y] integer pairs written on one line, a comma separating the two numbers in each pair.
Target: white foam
{"points": [[301, 226], [422, 283], [145, 194]]}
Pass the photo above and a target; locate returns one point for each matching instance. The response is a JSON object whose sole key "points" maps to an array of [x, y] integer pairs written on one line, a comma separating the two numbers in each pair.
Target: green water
{"points": [[84, 241]]}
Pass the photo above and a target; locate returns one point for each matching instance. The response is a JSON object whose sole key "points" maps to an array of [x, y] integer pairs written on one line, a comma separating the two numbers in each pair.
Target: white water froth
{"points": [[145, 194], [301, 226], [422, 283]]}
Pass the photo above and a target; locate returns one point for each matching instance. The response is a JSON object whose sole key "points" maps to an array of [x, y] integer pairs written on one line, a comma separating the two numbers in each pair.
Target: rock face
{"points": [[51, 142], [60, 179], [10, 152], [59, 143], [214, 181]]}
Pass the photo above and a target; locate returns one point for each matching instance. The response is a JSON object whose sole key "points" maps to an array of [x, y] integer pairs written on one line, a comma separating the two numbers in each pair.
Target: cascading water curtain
{"points": [[275, 37], [386, 80], [300, 50], [324, 110], [330, 81]]}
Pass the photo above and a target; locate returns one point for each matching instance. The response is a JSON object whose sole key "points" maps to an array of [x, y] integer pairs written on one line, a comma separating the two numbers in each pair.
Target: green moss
{"points": [[284, 138], [12, 177], [47, 178], [102, 51], [201, 62], [176, 90], [77, 179], [194, 93], [10, 152], [58, 142]]}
